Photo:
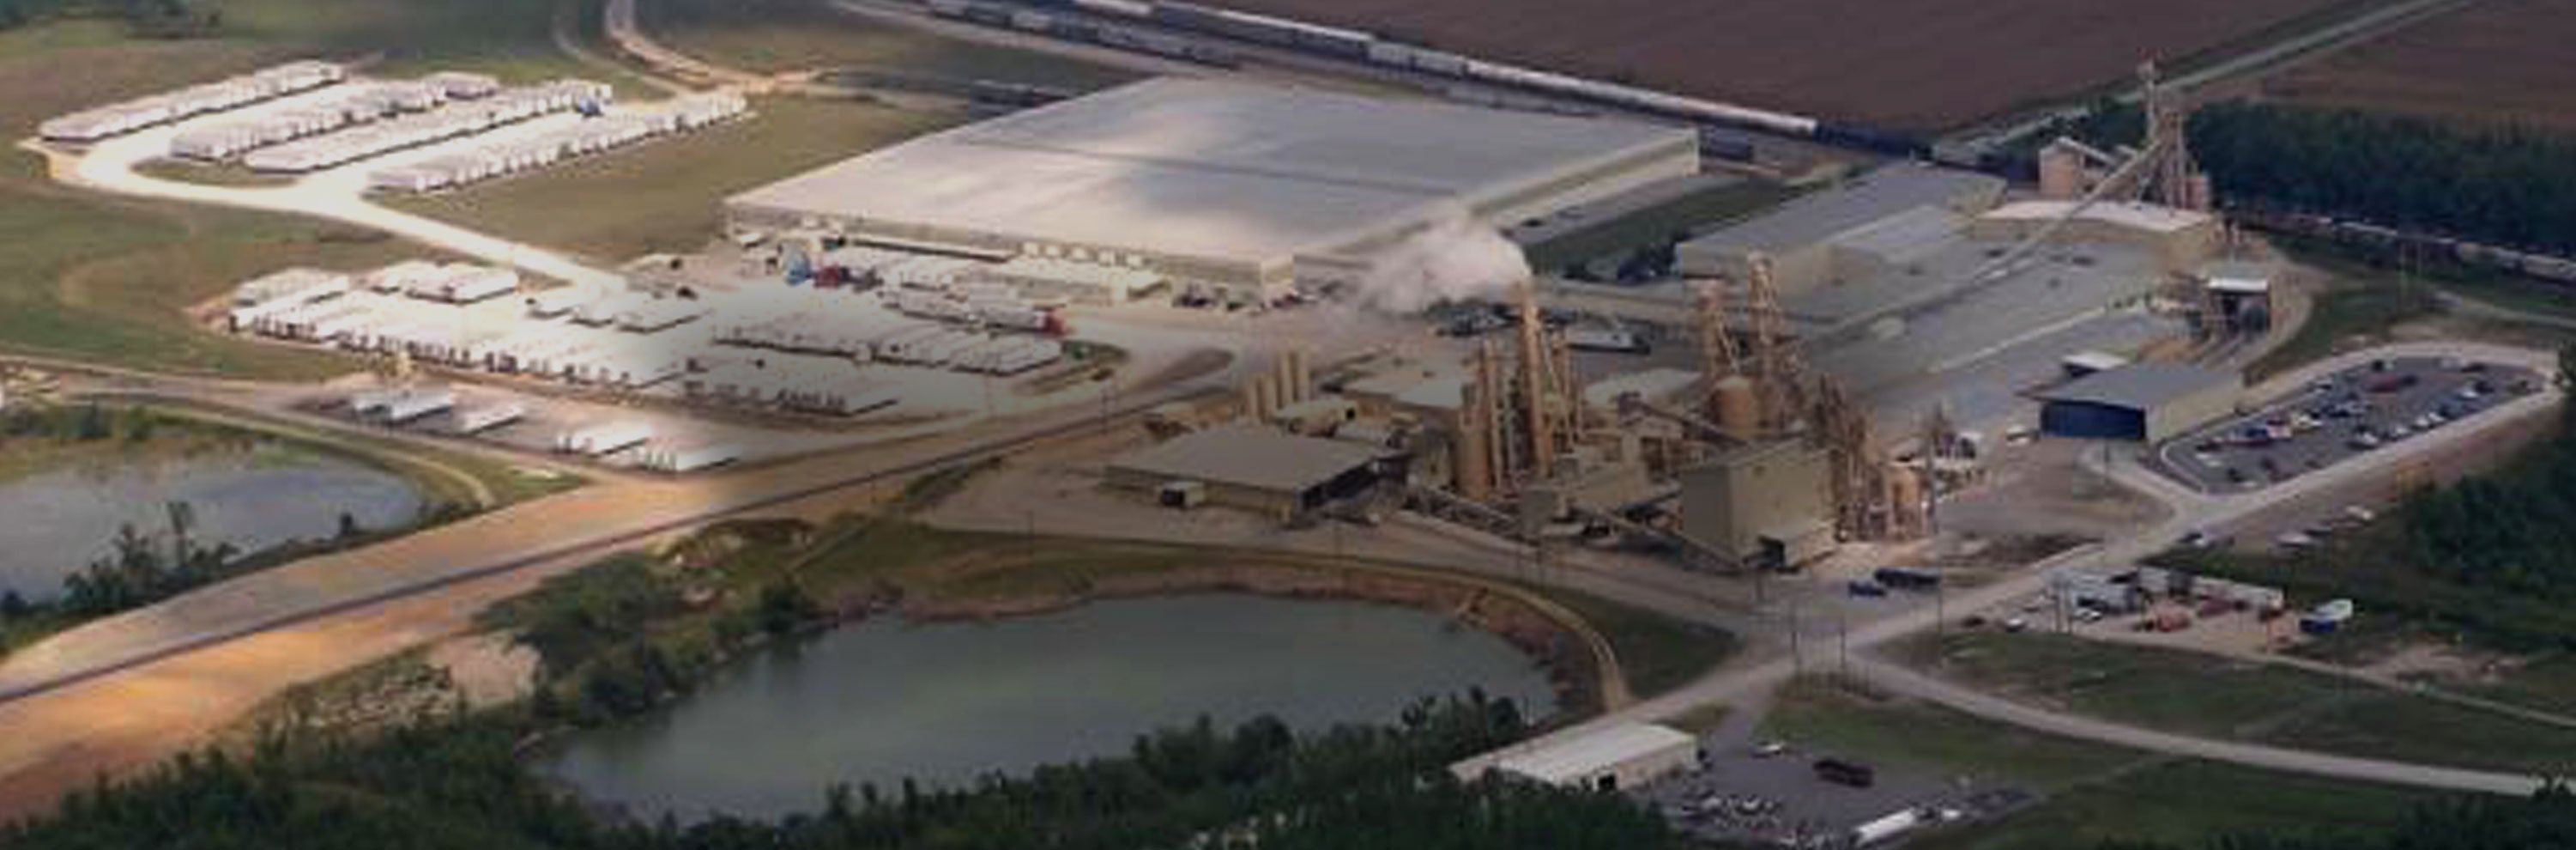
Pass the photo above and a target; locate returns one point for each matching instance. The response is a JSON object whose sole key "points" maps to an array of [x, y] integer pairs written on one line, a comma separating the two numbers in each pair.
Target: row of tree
{"points": [[2545, 820], [2506, 187], [148, 18], [458, 782]]}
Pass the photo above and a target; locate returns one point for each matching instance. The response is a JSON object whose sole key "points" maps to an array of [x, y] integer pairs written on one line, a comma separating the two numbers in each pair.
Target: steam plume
{"points": [[1456, 258]]}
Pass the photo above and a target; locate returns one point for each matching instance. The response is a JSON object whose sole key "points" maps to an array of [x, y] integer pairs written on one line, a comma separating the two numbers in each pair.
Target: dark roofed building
{"points": [[1253, 468], [2149, 402]]}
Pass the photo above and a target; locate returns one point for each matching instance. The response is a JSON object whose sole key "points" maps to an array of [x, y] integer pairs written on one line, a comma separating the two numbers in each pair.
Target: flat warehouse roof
{"points": [[1249, 456], [2140, 386], [1856, 203], [1210, 169], [1572, 757]]}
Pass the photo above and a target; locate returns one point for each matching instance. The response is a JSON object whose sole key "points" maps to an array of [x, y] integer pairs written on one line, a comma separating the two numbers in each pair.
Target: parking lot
{"points": [[1771, 793], [2348, 413]]}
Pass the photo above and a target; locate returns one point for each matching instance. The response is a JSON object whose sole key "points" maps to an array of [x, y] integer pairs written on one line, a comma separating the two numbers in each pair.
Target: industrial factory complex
{"points": [[1289, 309]]}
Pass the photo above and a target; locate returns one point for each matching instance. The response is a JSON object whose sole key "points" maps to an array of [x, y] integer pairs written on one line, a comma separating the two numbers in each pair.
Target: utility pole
{"points": [[1842, 638], [1797, 659]]}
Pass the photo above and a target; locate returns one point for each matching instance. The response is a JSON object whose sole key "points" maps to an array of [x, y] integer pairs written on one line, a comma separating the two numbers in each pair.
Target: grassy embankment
{"points": [[2215, 697], [103, 279], [2094, 793]]}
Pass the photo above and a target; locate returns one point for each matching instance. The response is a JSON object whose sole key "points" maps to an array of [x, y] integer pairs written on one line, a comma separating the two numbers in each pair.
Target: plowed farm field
{"points": [[1917, 65], [2505, 62]]}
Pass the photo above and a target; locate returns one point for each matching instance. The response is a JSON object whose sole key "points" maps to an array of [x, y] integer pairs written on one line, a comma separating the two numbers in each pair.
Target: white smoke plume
{"points": [[1456, 258]]}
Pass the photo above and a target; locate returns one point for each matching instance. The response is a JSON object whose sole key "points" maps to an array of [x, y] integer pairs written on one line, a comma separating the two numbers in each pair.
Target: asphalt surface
{"points": [[2339, 417]]}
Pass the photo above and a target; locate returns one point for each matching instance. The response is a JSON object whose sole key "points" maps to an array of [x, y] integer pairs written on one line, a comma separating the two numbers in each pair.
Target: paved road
{"points": [[109, 167]]}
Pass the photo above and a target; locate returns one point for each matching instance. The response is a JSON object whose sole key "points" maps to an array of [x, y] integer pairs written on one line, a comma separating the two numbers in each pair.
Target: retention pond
{"points": [[253, 495], [945, 702]]}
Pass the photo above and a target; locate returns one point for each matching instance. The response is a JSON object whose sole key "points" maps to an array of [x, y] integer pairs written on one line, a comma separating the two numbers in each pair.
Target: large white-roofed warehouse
{"points": [[1237, 190], [2151, 402]]}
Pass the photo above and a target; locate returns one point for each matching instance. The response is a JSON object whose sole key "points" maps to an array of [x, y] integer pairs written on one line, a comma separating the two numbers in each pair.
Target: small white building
{"points": [[1624, 755]]}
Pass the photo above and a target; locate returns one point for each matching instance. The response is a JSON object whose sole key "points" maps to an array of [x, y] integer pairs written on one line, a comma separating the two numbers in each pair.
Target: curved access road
{"points": [[1918, 685], [109, 167], [628, 34]]}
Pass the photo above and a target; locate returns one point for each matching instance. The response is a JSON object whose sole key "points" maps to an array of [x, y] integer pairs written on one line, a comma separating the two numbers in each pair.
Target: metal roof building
{"points": [[2150, 402], [1800, 235], [1229, 187], [1623, 755], [1250, 467]]}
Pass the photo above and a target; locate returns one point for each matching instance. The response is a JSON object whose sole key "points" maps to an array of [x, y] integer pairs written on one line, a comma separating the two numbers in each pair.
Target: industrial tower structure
{"points": [[1516, 425], [1790, 400]]}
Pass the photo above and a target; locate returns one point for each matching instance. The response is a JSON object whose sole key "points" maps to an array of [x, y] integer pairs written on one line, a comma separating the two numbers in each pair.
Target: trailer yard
{"points": [[835, 353]]}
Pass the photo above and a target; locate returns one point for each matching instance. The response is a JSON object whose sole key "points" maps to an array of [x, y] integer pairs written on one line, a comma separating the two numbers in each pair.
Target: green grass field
{"points": [[795, 35], [2215, 697], [2095, 793], [1816, 713], [2186, 802], [2162, 689], [668, 195], [2548, 684]]}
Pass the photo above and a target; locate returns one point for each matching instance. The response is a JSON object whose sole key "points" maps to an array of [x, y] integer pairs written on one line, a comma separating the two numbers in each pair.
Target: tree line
{"points": [[2545, 820], [146, 18], [458, 782], [2501, 186]]}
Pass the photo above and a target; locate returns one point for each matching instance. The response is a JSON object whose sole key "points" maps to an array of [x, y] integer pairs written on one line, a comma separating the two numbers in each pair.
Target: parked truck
{"points": [[1852, 774]]}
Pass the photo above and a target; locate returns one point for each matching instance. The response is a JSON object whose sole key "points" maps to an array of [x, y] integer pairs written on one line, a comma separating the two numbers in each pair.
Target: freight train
{"points": [[1359, 46], [2389, 240]]}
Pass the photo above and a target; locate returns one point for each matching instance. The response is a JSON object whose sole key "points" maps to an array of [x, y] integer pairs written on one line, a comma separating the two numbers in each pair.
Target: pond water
{"points": [[53, 523], [945, 702]]}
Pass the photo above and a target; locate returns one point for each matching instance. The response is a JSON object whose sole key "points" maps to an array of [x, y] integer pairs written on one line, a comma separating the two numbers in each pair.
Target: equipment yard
{"points": [[1910, 66]]}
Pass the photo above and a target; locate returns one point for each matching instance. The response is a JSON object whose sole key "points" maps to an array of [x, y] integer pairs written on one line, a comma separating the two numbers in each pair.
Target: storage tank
{"points": [[1739, 408], [1301, 377], [1266, 394], [2061, 173]]}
